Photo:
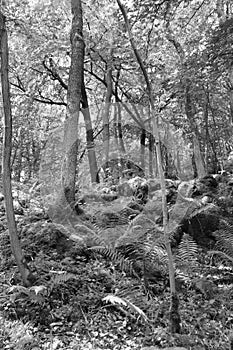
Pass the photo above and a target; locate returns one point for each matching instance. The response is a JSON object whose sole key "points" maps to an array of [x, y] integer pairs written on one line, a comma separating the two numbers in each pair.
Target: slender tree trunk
{"points": [[119, 129], [207, 135], [178, 164], [174, 313], [230, 92], [198, 158], [73, 103], [151, 154], [89, 137], [115, 131], [142, 148], [19, 165], [106, 128], [7, 148]]}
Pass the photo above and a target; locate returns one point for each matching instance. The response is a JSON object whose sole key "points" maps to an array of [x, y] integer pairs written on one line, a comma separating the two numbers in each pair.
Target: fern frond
{"points": [[115, 300], [224, 240], [224, 255], [116, 257], [60, 278], [187, 250], [107, 252]]}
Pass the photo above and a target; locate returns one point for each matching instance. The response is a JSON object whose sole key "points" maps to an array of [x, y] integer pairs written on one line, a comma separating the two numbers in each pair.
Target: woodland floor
{"points": [[65, 310]]}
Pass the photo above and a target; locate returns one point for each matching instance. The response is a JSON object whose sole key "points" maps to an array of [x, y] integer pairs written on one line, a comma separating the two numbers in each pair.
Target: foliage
{"points": [[92, 288]]}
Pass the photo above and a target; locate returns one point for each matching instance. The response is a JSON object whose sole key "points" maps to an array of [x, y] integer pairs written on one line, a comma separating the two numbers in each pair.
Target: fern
{"points": [[115, 300], [60, 278], [222, 254], [224, 242], [187, 250], [116, 257], [148, 258]]}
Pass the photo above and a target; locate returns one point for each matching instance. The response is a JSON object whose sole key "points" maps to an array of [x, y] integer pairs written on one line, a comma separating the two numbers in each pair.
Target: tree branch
{"points": [[53, 72], [44, 100]]}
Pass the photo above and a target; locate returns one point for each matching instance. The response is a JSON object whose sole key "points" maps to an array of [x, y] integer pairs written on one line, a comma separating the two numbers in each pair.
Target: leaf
{"points": [[19, 289], [113, 299], [38, 289]]}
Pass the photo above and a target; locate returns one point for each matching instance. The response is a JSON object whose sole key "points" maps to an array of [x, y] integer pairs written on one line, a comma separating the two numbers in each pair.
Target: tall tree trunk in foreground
{"points": [[73, 102], [7, 148], [89, 136], [174, 306]]}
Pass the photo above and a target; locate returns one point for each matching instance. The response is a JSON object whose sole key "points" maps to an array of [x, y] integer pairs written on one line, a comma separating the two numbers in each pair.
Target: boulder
{"points": [[156, 348]]}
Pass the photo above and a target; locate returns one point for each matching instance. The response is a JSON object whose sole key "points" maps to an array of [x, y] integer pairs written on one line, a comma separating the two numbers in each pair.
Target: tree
{"points": [[89, 136], [73, 102], [6, 159], [174, 313]]}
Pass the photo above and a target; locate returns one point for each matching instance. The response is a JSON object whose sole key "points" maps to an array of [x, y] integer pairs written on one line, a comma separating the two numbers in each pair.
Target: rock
{"points": [[141, 229], [185, 189], [206, 287], [17, 208], [140, 189], [153, 208], [124, 189], [107, 219], [156, 348], [206, 185], [117, 168], [109, 197]]}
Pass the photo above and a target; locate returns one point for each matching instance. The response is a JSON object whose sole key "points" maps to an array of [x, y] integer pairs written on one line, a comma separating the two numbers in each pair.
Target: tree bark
{"points": [[118, 125], [151, 154], [7, 149], [106, 129], [142, 148], [73, 103], [119, 130], [207, 135], [198, 157], [89, 137]]}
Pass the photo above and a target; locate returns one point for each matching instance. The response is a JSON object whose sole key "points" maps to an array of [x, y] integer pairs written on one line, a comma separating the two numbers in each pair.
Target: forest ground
{"points": [[83, 300]]}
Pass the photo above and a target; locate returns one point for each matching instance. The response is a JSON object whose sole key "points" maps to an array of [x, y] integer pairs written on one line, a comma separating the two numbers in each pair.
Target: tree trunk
{"points": [[207, 135], [73, 103], [115, 131], [7, 148], [106, 129], [89, 137], [18, 165], [198, 158], [230, 92], [119, 130], [142, 148], [151, 154], [174, 313]]}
